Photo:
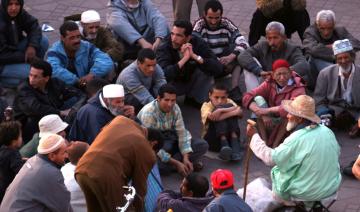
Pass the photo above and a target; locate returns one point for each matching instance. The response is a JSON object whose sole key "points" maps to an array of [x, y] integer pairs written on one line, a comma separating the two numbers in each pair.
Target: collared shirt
{"points": [[346, 92], [206, 109], [289, 83], [151, 116]]}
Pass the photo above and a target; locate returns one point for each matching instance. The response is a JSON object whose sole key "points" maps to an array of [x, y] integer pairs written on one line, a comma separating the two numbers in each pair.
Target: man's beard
{"points": [[90, 36], [346, 69], [290, 125], [115, 111]]}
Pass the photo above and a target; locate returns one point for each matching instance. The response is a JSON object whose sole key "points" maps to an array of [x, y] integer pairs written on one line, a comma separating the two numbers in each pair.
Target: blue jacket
{"points": [[87, 59], [228, 201], [142, 87], [146, 21]]}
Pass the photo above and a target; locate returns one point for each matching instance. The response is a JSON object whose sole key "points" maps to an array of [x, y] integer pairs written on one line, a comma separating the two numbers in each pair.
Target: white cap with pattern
{"points": [[341, 46]]}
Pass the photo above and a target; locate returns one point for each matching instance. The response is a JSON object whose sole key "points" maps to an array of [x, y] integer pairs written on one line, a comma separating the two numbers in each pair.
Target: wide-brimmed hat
{"points": [[302, 106], [51, 124]]}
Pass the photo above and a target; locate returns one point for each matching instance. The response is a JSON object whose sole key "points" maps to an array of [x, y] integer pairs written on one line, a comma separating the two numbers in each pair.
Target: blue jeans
{"points": [[13, 74], [316, 66]]}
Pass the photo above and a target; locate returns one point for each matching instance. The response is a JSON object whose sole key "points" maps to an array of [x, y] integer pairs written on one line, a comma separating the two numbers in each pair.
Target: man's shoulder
{"points": [[199, 24], [228, 24]]}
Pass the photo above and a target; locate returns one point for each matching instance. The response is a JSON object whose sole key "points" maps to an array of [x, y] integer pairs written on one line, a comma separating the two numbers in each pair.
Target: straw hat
{"points": [[51, 124], [302, 106]]}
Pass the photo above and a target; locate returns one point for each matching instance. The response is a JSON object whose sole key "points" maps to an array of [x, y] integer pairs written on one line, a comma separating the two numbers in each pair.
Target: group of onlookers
{"points": [[112, 91]]}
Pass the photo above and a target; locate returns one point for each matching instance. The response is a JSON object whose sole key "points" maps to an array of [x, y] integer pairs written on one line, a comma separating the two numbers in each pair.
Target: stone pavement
{"points": [[240, 12]]}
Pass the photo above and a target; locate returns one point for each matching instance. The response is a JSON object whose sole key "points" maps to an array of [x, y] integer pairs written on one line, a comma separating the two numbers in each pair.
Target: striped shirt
{"points": [[223, 40], [151, 116]]}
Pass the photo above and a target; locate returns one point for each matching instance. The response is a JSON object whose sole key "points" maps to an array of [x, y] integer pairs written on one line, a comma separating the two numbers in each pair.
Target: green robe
{"points": [[307, 165]]}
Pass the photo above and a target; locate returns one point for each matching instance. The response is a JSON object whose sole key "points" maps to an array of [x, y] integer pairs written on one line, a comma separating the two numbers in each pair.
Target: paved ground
{"points": [[240, 12]]}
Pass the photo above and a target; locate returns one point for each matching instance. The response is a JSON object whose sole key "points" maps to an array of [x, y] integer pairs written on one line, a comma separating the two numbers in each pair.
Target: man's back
{"points": [[307, 165], [228, 201], [39, 186]]}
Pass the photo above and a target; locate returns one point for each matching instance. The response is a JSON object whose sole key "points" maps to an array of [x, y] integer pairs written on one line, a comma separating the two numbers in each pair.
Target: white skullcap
{"points": [[90, 16], [113, 91], [51, 124], [341, 46], [50, 143]]}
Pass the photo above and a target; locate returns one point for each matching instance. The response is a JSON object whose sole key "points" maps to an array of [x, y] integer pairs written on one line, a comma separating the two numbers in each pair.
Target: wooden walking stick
{"points": [[247, 159]]}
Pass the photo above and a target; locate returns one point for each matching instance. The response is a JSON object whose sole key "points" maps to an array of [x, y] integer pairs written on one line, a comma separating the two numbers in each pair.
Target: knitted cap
{"points": [[90, 16], [113, 91], [280, 63], [222, 179], [50, 143], [341, 46]]}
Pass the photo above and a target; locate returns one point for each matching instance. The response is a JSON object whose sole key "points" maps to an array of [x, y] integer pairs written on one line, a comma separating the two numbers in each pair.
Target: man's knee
{"points": [[199, 145]]}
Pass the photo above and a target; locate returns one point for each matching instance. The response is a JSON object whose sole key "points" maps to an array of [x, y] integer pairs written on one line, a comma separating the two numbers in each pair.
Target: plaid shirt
{"points": [[151, 116]]}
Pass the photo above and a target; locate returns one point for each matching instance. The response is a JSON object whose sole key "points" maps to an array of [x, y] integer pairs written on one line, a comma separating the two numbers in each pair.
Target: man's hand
{"points": [[156, 44], [30, 53], [267, 121], [182, 169], [65, 113], [250, 131], [227, 59], [265, 74], [144, 44], [261, 111], [85, 79], [187, 163], [129, 111], [356, 168], [359, 122], [215, 115]]}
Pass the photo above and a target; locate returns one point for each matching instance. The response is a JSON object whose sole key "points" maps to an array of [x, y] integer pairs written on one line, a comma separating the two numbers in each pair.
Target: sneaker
{"points": [[198, 166], [236, 156], [225, 153]]}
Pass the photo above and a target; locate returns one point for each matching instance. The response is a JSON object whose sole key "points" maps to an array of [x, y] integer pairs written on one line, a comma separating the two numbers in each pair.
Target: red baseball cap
{"points": [[280, 63], [222, 179]]}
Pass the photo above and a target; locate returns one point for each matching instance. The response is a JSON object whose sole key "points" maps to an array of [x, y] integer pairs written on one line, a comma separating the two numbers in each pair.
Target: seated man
{"points": [[142, 79], [318, 41], [42, 95], [122, 152], [220, 118], [17, 49], [226, 198], [265, 101], [224, 39], [39, 185], [258, 59], [306, 165], [138, 23], [74, 61], [75, 151], [48, 124], [291, 13], [180, 150], [192, 195], [101, 37], [337, 87], [99, 111], [188, 63]]}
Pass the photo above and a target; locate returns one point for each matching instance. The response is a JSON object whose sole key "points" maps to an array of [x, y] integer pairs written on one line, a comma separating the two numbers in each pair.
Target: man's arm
{"points": [[169, 199], [102, 63], [247, 61], [299, 63], [259, 147], [57, 62], [118, 21], [156, 19], [313, 47], [183, 135], [165, 59], [321, 88], [32, 29], [159, 79]]}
